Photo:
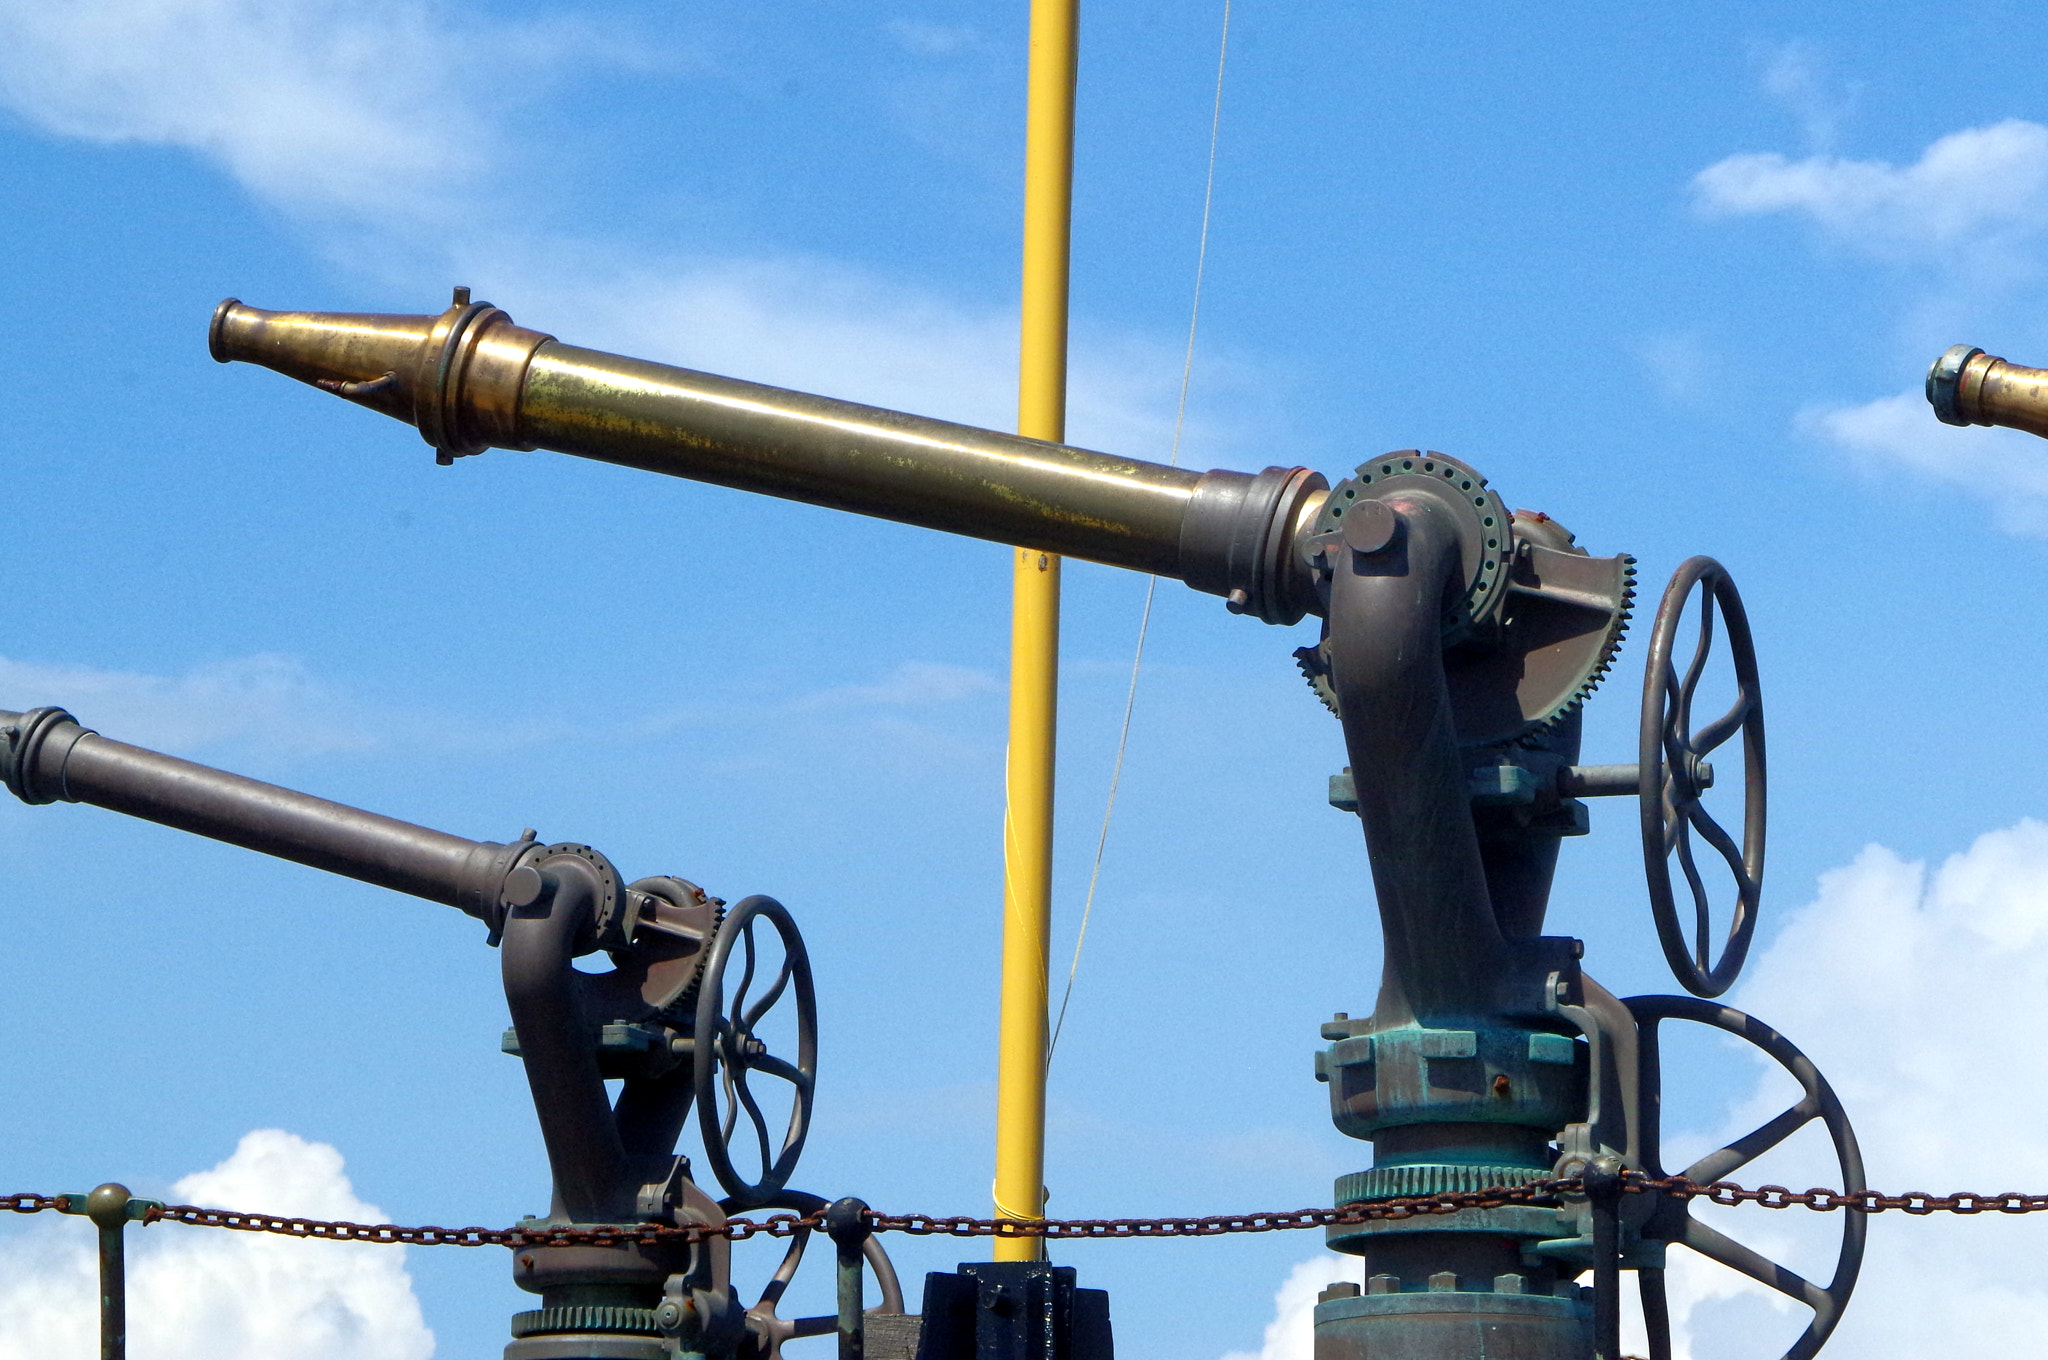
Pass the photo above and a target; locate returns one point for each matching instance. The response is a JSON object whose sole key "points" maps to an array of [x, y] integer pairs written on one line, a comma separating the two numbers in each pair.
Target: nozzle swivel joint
{"points": [[456, 376]]}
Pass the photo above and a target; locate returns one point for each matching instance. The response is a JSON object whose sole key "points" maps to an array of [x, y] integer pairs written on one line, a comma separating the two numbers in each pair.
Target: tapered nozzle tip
{"points": [[455, 375], [1944, 381], [213, 331]]}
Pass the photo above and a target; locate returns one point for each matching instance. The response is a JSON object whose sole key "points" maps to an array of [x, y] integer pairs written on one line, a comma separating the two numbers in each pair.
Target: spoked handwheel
{"points": [[766, 1329], [1672, 1221], [728, 1034], [1674, 772]]}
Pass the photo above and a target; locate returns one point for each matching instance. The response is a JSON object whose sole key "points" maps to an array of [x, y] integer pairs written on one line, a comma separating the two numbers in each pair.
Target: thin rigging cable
{"points": [[1180, 417]]}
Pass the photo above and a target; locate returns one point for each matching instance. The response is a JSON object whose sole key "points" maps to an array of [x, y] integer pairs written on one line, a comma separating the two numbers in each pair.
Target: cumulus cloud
{"points": [[1291, 1333], [1898, 435], [1986, 184], [364, 108], [316, 110], [198, 1294], [1919, 991], [1916, 991]]}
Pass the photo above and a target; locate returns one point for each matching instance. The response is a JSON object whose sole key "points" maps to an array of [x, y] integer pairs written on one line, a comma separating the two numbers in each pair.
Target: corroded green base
{"points": [[1454, 1325]]}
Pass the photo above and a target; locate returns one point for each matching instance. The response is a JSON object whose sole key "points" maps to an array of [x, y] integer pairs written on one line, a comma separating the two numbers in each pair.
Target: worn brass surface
{"points": [[470, 379], [456, 376], [1050, 497]]}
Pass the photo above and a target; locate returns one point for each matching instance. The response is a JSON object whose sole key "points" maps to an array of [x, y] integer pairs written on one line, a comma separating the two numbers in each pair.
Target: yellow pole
{"points": [[1035, 636]]}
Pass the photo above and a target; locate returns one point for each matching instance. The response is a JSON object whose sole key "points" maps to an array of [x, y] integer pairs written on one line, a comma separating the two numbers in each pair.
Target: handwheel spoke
{"points": [[1701, 652], [1656, 1312], [739, 996], [726, 1067], [752, 1018], [1706, 738], [1752, 1145], [784, 1273], [1676, 811], [1702, 916], [1718, 1246], [783, 1068], [1716, 836], [746, 1097], [886, 1283]]}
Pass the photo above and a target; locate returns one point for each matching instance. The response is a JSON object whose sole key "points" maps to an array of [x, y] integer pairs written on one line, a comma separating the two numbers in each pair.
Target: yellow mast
{"points": [[1035, 635]]}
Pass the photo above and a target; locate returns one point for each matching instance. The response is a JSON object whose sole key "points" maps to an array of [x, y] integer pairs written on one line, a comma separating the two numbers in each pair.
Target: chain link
{"points": [[1917, 1202]]}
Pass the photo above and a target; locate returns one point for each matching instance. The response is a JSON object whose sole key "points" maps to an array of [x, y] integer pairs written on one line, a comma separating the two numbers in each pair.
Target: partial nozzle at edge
{"points": [[1966, 386]]}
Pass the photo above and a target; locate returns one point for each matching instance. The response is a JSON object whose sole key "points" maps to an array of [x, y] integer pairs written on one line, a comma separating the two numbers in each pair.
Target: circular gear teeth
{"points": [[1610, 647], [1315, 668], [1553, 625]]}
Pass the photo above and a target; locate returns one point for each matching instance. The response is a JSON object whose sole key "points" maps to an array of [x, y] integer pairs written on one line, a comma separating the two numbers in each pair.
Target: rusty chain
{"points": [[1916, 1202]]}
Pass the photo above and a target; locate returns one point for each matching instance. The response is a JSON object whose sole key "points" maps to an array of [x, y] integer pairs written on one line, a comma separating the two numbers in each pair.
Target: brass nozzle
{"points": [[455, 376], [471, 380], [1966, 386]]}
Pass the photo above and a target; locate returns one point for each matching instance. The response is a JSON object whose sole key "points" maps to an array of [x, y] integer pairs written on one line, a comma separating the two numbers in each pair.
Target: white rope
{"points": [[1180, 417]]}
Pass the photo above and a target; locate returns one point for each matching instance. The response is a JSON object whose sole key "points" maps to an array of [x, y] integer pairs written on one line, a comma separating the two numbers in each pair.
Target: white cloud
{"points": [[1682, 367], [933, 40], [391, 112], [1987, 185], [1291, 1333], [266, 704], [306, 103], [1898, 437], [821, 326], [267, 701], [1793, 74], [211, 1294], [318, 110], [1917, 994], [910, 684]]}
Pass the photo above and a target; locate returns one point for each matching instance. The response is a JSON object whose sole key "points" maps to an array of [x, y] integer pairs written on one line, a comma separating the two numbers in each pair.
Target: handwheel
{"points": [[729, 1052], [1673, 773], [1672, 1221], [767, 1330]]}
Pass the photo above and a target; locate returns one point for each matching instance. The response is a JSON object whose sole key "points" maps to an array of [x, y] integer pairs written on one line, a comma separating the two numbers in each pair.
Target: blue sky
{"points": [[1671, 276]]}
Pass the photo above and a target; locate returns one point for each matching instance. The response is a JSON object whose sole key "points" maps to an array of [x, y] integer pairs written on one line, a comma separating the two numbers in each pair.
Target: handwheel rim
{"points": [[725, 1055], [1649, 1012], [1670, 752]]}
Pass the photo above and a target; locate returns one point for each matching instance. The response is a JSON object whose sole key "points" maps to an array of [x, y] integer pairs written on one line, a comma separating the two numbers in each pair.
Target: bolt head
{"points": [[1369, 526], [523, 887]]}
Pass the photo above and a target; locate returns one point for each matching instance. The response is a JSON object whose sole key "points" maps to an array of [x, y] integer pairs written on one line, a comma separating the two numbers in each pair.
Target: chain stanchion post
{"points": [[848, 1225], [1602, 1179], [108, 1208]]}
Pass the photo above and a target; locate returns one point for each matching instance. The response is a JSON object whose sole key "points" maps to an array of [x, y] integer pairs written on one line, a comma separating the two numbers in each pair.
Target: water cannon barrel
{"points": [[470, 379], [1966, 386], [47, 757]]}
